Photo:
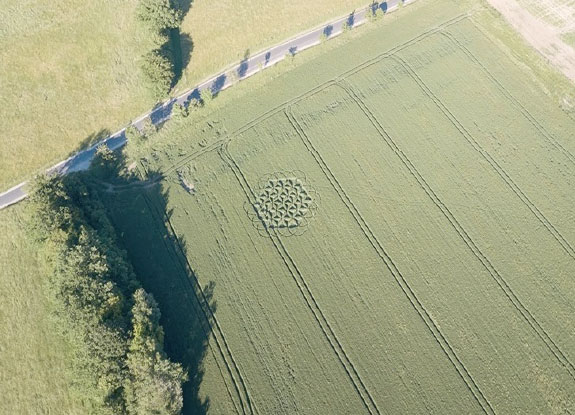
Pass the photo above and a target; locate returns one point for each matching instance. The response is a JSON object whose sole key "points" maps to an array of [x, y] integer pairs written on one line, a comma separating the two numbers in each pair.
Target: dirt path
{"points": [[541, 34]]}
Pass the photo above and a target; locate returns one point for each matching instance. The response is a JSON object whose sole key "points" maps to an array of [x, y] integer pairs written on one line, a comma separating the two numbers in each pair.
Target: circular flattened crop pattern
{"points": [[284, 204]]}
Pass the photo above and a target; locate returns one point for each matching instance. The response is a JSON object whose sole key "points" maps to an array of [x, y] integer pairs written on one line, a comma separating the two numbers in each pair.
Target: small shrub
{"points": [[179, 111], [374, 11], [290, 57]]}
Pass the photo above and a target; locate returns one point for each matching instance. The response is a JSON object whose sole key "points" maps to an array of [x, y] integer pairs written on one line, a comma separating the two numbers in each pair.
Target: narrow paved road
{"points": [[223, 80]]}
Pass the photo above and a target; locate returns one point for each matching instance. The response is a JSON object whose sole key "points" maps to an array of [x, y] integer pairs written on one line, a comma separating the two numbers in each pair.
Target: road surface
{"points": [[247, 67]]}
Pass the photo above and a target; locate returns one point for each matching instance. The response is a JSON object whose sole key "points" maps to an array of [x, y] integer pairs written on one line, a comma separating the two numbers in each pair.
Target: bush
{"points": [[158, 66], [194, 104]]}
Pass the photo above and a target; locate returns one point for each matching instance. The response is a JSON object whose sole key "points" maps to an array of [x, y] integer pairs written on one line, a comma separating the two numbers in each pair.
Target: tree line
{"points": [[113, 325]]}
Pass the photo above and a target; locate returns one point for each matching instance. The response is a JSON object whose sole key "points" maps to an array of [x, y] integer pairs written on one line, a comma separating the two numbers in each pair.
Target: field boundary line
{"points": [[524, 111], [248, 407], [390, 265], [305, 291], [492, 162], [535, 325]]}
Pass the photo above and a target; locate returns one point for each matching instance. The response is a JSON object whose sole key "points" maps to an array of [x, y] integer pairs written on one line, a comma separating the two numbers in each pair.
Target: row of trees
{"points": [[113, 325], [162, 18]]}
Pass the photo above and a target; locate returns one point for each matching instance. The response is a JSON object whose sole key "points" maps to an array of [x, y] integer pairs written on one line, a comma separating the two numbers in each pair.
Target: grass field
{"points": [[33, 372], [70, 68], [380, 230]]}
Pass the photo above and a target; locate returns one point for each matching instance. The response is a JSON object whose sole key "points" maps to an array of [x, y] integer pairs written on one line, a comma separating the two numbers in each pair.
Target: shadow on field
{"points": [[180, 44], [181, 47], [140, 216]]}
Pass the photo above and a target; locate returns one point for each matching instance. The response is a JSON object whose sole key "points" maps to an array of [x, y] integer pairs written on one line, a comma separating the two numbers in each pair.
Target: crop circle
{"points": [[284, 203]]}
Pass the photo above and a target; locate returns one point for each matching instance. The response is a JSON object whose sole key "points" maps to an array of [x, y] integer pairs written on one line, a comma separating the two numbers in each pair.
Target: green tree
{"points": [[154, 384], [158, 67]]}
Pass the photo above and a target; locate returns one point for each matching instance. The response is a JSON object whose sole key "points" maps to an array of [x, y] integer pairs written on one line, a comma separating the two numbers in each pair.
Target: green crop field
{"points": [[384, 229]]}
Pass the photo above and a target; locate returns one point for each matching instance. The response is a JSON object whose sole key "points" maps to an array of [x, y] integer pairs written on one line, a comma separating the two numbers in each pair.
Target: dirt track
{"points": [[540, 32]]}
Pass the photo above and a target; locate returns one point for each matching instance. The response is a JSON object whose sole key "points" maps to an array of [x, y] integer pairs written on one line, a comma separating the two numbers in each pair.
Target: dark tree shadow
{"points": [[244, 64], [140, 215], [218, 84], [187, 47], [327, 31], [161, 112], [292, 51], [267, 58], [350, 19], [180, 47]]}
